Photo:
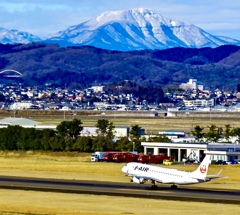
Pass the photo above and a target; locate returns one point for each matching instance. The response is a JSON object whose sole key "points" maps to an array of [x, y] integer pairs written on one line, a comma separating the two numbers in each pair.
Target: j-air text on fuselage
{"points": [[141, 173]]}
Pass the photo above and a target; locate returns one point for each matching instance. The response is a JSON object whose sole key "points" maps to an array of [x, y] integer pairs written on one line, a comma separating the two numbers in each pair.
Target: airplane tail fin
{"points": [[202, 169]]}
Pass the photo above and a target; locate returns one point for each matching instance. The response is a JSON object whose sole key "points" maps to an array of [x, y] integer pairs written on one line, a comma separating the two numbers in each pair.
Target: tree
{"points": [[56, 143], [197, 132], [68, 144], [137, 146], [236, 132], [105, 130], [62, 129], [99, 144], [75, 128], [135, 133], [110, 131], [9, 137], [228, 132], [213, 134], [83, 144], [124, 145], [161, 139], [102, 125], [111, 144], [46, 135], [70, 129]]}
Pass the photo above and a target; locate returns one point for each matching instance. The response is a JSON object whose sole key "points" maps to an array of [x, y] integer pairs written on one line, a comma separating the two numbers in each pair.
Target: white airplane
{"points": [[140, 173]]}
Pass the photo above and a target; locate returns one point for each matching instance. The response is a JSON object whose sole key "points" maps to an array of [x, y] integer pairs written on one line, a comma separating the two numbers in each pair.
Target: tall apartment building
{"points": [[192, 84]]}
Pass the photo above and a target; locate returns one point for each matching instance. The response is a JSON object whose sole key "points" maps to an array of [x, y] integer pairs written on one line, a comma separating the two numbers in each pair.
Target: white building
{"points": [[173, 133], [98, 88], [119, 131], [192, 84], [180, 151], [199, 103], [20, 105]]}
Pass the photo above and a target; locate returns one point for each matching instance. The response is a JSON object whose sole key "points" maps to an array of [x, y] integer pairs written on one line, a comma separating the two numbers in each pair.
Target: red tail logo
{"points": [[203, 168]]}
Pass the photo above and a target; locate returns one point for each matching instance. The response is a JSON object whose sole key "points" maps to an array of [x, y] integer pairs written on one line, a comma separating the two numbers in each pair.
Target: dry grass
{"points": [[153, 125], [28, 202], [78, 166]]}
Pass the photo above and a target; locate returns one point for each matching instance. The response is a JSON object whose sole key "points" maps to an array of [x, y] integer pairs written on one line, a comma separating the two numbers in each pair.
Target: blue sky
{"points": [[43, 17]]}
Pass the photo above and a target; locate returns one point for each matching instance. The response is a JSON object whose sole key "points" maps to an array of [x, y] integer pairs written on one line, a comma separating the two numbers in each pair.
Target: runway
{"points": [[121, 189]]}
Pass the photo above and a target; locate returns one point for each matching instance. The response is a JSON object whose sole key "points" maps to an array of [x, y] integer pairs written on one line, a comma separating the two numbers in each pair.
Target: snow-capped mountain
{"points": [[137, 29], [15, 36], [124, 31]]}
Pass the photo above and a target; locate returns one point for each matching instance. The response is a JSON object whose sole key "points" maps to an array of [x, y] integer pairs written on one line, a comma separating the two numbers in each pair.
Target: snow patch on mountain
{"points": [[137, 29], [15, 36], [126, 30]]}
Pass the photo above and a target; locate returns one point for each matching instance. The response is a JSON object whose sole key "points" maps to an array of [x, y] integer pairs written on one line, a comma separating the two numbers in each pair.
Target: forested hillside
{"points": [[82, 66]]}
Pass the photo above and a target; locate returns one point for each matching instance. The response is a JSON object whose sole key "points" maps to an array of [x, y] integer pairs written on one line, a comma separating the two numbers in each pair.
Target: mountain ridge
{"points": [[126, 30], [15, 36], [86, 65], [137, 29]]}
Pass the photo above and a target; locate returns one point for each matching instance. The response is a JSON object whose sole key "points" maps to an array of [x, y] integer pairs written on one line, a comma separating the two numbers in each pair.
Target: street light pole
{"points": [[133, 146]]}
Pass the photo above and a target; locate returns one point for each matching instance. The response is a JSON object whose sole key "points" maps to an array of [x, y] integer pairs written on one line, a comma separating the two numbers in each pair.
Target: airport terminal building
{"points": [[181, 150]]}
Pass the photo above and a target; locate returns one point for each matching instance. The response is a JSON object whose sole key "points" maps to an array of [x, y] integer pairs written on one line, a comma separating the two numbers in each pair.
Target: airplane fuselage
{"points": [[158, 174], [140, 173]]}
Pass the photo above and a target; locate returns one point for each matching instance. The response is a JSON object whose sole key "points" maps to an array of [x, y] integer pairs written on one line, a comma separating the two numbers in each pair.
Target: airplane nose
{"points": [[124, 169]]}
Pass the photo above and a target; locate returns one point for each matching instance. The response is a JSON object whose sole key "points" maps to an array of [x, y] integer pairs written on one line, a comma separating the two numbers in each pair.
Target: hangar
{"points": [[119, 131], [17, 121], [218, 151]]}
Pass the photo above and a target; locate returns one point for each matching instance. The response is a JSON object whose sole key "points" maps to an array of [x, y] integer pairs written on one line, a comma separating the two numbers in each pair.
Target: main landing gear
{"points": [[174, 186], [154, 186]]}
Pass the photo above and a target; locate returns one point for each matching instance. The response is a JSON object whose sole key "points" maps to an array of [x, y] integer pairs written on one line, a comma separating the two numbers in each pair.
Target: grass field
{"points": [[152, 125], [78, 166], [28, 202]]}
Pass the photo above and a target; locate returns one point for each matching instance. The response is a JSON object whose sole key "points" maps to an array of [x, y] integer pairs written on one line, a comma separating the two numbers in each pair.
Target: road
{"points": [[121, 189]]}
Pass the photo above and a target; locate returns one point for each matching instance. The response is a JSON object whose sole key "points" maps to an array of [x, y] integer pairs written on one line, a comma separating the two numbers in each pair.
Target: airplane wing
{"points": [[147, 178], [216, 176], [153, 179]]}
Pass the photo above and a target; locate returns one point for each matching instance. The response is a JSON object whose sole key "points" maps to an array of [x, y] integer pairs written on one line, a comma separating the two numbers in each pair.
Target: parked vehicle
{"points": [[232, 162], [125, 157], [108, 157], [167, 162], [154, 158], [237, 160], [221, 162], [191, 161], [97, 156], [213, 161]]}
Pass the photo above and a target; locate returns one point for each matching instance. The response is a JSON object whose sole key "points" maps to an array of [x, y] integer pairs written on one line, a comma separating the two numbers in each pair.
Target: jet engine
{"points": [[138, 180]]}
